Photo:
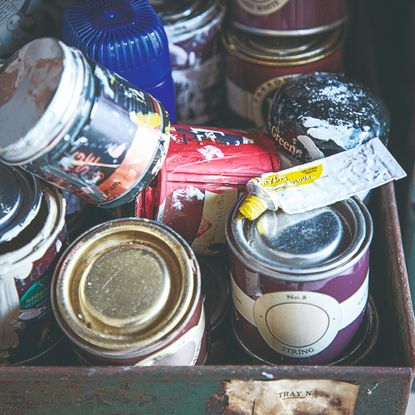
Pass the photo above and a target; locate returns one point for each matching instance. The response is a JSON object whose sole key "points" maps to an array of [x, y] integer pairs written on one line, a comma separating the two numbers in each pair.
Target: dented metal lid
{"points": [[42, 87], [20, 200], [311, 242], [125, 285]]}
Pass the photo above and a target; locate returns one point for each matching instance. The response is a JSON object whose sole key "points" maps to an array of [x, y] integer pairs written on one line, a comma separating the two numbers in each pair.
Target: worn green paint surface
{"points": [[154, 391]]}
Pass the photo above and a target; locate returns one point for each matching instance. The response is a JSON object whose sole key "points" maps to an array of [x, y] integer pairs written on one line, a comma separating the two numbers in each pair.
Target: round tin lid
{"points": [[125, 284], [41, 88], [20, 200], [306, 243], [281, 51]]}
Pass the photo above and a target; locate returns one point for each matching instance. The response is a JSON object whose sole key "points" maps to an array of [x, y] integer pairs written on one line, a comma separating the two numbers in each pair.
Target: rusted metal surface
{"points": [[382, 388]]}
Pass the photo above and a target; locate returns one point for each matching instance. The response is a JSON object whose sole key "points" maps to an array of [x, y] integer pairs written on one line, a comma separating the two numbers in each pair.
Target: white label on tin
{"points": [[300, 323], [210, 236], [290, 396], [262, 7], [183, 352]]}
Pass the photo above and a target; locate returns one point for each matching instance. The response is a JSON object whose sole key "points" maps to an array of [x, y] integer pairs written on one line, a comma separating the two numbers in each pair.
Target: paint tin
{"points": [[287, 17], [300, 282], [26, 266], [205, 171], [129, 292], [84, 129], [193, 30], [20, 22], [320, 114], [358, 353], [257, 66]]}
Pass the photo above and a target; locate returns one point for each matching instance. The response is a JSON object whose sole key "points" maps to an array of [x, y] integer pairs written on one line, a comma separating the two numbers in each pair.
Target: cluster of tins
{"points": [[130, 290]]}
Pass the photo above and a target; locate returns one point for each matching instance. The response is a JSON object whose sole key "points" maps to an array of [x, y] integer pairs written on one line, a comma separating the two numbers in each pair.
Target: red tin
{"points": [[287, 17], [205, 170], [129, 292], [256, 66]]}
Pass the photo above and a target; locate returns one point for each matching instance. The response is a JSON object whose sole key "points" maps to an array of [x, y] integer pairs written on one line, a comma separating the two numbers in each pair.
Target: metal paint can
{"points": [[256, 67], [20, 22], [358, 352], [83, 129], [35, 236], [196, 57], [300, 282], [129, 292], [287, 17], [205, 171]]}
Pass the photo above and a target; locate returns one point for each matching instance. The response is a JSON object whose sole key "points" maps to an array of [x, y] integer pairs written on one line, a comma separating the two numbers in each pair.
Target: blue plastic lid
{"points": [[125, 36]]}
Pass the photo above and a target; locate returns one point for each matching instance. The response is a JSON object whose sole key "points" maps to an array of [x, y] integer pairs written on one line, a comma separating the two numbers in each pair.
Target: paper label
{"points": [[299, 323], [328, 180], [261, 7], [290, 397]]}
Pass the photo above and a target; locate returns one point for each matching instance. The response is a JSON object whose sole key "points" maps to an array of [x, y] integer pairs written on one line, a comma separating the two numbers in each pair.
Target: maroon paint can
{"points": [[196, 57], [287, 17], [32, 237], [300, 282], [256, 66], [129, 292], [205, 171]]}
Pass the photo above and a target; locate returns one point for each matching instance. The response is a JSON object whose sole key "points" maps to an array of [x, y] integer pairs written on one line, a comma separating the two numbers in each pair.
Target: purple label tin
{"points": [[300, 282]]}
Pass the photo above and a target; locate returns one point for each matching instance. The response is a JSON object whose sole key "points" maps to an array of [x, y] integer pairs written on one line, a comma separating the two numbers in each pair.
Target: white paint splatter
{"points": [[5, 209], [188, 193], [344, 134], [211, 152], [267, 375], [311, 147]]}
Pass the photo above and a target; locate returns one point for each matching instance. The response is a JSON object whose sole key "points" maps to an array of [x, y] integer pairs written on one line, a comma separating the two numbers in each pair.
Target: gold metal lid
{"points": [[125, 285], [281, 51]]}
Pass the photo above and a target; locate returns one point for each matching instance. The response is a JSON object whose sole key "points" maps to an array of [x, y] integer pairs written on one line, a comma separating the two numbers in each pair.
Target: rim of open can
{"points": [[281, 51], [341, 234], [127, 317], [360, 348]]}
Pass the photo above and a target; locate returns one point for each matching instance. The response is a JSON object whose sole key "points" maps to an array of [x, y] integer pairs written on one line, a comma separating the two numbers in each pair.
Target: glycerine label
{"points": [[290, 396], [299, 323], [262, 7]]}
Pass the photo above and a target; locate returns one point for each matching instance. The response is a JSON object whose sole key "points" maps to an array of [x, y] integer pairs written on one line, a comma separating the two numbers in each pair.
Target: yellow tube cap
{"points": [[252, 207]]}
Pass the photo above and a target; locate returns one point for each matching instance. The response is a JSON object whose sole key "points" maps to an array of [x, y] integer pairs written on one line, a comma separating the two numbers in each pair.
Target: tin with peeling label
{"points": [[82, 128], [20, 22], [287, 17], [32, 235], [256, 67], [129, 292], [206, 169], [193, 30], [300, 282]]}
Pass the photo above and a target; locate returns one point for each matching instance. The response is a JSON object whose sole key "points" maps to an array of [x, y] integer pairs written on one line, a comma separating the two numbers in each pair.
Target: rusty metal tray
{"points": [[382, 388]]}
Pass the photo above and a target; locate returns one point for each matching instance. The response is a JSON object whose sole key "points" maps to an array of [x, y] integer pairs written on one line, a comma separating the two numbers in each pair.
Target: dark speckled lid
{"points": [[20, 199]]}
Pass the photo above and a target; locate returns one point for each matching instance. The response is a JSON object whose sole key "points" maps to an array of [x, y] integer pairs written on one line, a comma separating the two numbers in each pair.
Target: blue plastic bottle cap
{"points": [[127, 37]]}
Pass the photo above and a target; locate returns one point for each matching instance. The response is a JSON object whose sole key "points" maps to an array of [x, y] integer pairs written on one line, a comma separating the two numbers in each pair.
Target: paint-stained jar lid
{"points": [[125, 285], [42, 93], [307, 243], [20, 200], [185, 16]]}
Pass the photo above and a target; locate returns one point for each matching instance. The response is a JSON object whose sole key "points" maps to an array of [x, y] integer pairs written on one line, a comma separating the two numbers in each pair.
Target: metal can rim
{"points": [[309, 274], [334, 41], [130, 348]]}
